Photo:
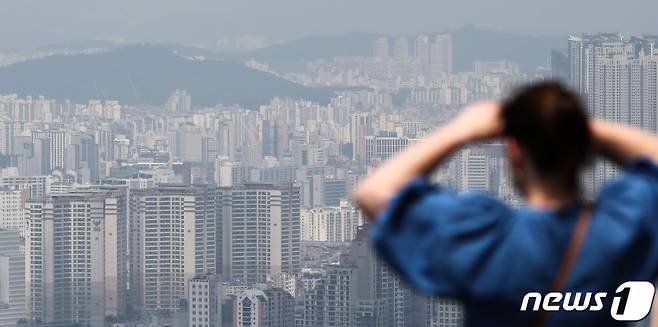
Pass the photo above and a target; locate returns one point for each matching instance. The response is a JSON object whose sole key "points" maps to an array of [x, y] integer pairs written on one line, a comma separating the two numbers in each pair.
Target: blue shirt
{"points": [[477, 249]]}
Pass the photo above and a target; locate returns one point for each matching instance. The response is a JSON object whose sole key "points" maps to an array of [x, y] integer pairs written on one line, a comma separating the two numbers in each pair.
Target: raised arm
{"points": [[477, 122], [623, 144]]}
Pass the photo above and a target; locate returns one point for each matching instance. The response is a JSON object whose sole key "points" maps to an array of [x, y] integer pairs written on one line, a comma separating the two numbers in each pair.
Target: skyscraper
{"points": [[617, 78], [441, 312], [12, 279], [258, 305], [8, 131], [261, 231], [53, 147], [173, 239], [380, 48], [77, 258], [280, 307], [82, 157], [179, 102], [36, 186], [423, 53], [381, 148], [559, 65], [189, 143], [205, 302], [12, 209], [401, 48], [361, 290], [331, 224], [359, 127], [441, 55]]}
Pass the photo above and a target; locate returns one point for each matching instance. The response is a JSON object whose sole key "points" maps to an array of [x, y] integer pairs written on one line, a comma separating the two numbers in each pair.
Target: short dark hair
{"points": [[550, 124]]}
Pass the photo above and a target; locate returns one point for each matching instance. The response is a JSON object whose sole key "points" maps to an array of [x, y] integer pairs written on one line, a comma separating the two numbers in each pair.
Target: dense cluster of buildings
{"points": [[427, 73], [195, 216], [184, 216], [617, 77]]}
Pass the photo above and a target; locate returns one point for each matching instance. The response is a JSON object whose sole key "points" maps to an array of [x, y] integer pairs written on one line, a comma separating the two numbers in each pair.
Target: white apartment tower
{"points": [[12, 279], [172, 240], [77, 257], [401, 48], [36, 186], [179, 102], [423, 53], [617, 78], [261, 231], [205, 302], [441, 55], [381, 148], [442, 312], [380, 47], [359, 291], [330, 224], [54, 148], [12, 209]]}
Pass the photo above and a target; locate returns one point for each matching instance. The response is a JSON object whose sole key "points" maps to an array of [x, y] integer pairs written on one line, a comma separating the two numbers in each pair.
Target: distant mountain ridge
{"points": [[147, 74], [469, 44], [292, 56]]}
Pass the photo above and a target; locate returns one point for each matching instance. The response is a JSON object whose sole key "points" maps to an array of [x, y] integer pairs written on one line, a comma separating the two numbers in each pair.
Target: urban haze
{"points": [[191, 163]]}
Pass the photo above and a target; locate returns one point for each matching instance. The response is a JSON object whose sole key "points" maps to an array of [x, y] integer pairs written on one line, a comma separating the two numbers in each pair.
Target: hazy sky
{"points": [[27, 23]]}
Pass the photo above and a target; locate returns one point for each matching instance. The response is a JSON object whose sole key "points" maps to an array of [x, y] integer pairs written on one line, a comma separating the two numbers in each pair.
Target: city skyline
{"points": [[146, 190]]}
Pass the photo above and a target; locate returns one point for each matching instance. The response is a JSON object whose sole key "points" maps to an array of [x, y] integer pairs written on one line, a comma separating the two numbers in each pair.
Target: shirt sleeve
{"points": [[438, 240], [627, 214], [644, 167], [633, 193]]}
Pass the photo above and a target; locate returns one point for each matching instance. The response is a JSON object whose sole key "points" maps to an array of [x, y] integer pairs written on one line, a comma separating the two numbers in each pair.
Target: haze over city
{"points": [[192, 163], [31, 23]]}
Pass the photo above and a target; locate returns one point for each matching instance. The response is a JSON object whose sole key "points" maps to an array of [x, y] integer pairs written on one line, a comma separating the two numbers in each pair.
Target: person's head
{"points": [[548, 137]]}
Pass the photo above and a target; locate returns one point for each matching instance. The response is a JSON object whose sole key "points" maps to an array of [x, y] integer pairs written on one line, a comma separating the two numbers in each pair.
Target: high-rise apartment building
{"points": [[261, 231], [272, 307], [442, 312], [12, 209], [330, 224], [228, 172], [359, 291], [12, 279], [280, 307], [36, 186], [441, 55], [29, 155], [83, 158], [173, 232], [53, 147], [334, 191], [8, 131], [77, 257], [179, 102], [618, 80], [381, 148], [189, 143], [380, 47], [422, 47], [401, 48], [204, 305], [484, 168]]}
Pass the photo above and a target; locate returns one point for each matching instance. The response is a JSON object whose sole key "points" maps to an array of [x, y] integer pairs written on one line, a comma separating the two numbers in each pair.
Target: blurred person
{"points": [[477, 249]]}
